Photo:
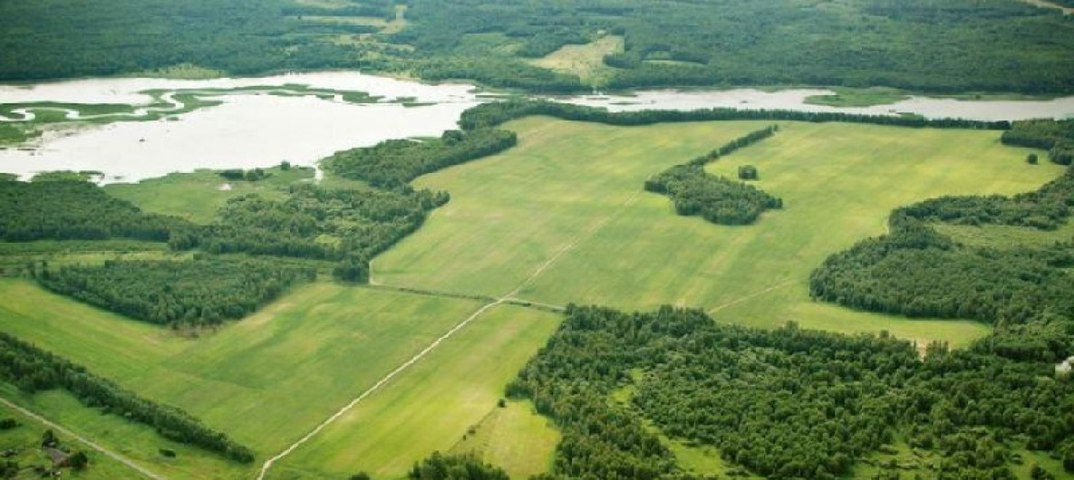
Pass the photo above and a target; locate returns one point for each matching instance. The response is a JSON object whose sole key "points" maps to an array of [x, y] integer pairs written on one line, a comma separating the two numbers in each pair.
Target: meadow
{"points": [[585, 232]]}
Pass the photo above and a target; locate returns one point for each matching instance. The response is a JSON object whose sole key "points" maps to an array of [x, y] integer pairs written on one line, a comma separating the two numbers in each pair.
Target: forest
{"points": [[785, 403], [200, 292], [922, 45], [73, 209], [1057, 137], [394, 163], [32, 369], [717, 199]]}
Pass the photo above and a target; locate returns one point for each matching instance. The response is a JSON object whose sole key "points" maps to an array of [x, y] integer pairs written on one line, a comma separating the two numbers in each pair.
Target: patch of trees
{"points": [[1057, 137], [785, 403], [916, 271], [74, 209], [251, 175], [204, 291], [717, 199], [32, 369], [454, 467], [394, 163], [496, 113]]}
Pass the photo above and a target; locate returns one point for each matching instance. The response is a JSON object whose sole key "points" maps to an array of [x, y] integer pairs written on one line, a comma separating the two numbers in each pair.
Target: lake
{"points": [[257, 129]]}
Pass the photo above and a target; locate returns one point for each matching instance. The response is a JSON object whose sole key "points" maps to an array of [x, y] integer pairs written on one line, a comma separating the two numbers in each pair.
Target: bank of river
{"points": [[302, 118]]}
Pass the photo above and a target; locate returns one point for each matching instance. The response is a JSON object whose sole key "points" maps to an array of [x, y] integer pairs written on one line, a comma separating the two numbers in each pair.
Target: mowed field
{"points": [[269, 379], [564, 214]]}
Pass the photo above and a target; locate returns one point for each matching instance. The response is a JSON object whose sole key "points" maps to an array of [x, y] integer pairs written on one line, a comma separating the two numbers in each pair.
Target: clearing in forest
{"points": [[586, 61]]}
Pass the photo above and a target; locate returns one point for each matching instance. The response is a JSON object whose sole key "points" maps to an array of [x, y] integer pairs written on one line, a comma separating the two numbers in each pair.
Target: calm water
{"points": [[258, 130]]}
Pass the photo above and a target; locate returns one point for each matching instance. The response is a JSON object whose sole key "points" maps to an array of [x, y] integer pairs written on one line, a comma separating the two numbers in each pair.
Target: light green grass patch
{"points": [[514, 438], [858, 97], [430, 406], [199, 195], [182, 71], [1005, 236], [585, 61], [265, 380], [566, 207]]}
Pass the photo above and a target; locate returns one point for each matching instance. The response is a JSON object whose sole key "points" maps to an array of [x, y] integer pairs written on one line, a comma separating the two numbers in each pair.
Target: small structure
{"points": [[1063, 369]]}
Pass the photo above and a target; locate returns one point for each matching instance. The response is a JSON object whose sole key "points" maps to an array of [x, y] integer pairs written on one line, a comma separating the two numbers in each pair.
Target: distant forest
{"points": [[931, 45]]}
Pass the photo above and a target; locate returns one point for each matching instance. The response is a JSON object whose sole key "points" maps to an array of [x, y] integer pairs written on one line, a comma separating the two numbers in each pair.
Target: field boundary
{"points": [[104, 451]]}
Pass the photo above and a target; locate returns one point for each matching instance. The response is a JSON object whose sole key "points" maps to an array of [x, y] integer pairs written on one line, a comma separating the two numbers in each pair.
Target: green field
{"points": [[583, 230], [432, 405], [585, 61], [266, 380]]}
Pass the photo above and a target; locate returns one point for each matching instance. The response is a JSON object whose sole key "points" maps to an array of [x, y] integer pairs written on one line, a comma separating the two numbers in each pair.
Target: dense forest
{"points": [[32, 369], [1057, 137], [492, 114], [394, 163], [932, 45], [203, 291], [785, 403], [73, 209], [916, 271], [717, 199]]}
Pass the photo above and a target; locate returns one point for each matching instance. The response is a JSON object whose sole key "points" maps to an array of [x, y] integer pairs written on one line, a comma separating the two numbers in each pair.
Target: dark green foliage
{"points": [[394, 163], [1032, 159], [496, 113], [204, 291], [454, 467], [716, 199], [167, 453], [71, 209], [1057, 137], [8, 424], [252, 175], [352, 270], [916, 271], [32, 370], [747, 172], [78, 461], [364, 223], [786, 403]]}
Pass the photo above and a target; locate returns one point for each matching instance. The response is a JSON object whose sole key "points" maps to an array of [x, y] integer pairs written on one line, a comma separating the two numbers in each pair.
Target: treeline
{"points": [[394, 163], [918, 272], [496, 113], [1057, 137], [204, 291], [717, 199], [454, 467], [74, 210], [784, 403], [32, 369]]}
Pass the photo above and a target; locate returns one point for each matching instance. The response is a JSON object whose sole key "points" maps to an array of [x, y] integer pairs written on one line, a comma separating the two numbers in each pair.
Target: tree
{"points": [[48, 439], [78, 461], [747, 172], [1032, 159]]}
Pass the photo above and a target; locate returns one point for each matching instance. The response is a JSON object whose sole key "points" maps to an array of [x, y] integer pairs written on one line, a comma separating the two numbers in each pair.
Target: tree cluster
{"points": [[717, 199], [32, 369], [394, 163], [454, 467], [203, 291], [74, 209], [785, 403], [1057, 137], [496, 113]]}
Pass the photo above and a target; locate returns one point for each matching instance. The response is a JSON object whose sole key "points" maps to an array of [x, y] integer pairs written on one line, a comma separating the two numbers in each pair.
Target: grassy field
{"points": [[265, 380], [612, 243], [197, 196], [1005, 236], [432, 405], [858, 97], [586, 61]]}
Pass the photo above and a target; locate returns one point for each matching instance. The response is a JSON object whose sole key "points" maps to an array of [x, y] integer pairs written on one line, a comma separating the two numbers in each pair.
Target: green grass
{"points": [[25, 441], [858, 97], [431, 406], [1005, 236], [514, 438], [573, 192], [585, 61], [199, 195], [265, 380]]}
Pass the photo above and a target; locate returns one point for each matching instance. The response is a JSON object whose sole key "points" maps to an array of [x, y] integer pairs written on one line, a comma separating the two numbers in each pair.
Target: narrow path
{"points": [[1047, 4], [750, 296], [377, 386], [108, 453]]}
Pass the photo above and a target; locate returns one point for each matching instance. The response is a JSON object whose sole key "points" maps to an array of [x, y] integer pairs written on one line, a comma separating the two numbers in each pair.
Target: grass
{"points": [[265, 380], [585, 61], [1005, 236], [25, 440], [199, 195], [431, 406], [615, 245], [858, 97], [514, 438]]}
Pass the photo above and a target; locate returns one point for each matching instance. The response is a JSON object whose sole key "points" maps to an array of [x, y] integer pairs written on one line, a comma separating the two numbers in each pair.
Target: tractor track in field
{"points": [[104, 451]]}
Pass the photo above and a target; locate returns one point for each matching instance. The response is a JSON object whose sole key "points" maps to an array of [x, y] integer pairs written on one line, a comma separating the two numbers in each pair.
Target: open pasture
{"points": [[564, 214]]}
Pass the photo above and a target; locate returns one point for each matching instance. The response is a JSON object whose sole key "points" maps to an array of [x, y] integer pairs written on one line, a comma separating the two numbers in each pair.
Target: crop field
{"points": [[266, 380], [582, 229], [586, 61]]}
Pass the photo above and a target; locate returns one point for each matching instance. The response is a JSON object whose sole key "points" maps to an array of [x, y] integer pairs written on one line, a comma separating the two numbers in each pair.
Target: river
{"points": [[257, 129]]}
